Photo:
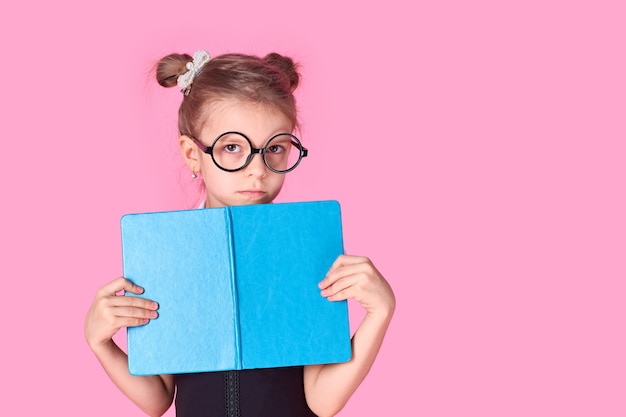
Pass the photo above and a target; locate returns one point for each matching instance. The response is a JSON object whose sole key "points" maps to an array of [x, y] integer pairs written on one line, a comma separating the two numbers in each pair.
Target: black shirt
{"points": [[272, 392]]}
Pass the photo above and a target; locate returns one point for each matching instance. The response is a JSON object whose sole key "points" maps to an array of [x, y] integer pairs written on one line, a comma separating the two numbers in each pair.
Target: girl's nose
{"points": [[257, 166]]}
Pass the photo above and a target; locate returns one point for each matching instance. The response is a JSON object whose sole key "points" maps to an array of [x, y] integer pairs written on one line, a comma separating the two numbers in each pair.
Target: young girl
{"points": [[235, 106]]}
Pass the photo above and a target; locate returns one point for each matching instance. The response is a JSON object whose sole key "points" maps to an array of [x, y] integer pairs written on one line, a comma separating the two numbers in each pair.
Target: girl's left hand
{"points": [[357, 277]]}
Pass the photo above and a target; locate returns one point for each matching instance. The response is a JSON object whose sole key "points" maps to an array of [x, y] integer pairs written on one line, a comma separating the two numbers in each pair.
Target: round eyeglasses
{"points": [[233, 151]]}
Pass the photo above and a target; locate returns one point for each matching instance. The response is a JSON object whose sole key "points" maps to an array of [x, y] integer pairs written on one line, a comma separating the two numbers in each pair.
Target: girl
{"points": [[233, 107]]}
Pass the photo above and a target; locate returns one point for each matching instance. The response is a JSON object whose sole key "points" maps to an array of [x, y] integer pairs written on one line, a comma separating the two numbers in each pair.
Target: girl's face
{"points": [[256, 183]]}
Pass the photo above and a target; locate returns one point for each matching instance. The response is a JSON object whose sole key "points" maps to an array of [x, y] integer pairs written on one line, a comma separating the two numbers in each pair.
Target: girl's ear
{"points": [[191, 153]]}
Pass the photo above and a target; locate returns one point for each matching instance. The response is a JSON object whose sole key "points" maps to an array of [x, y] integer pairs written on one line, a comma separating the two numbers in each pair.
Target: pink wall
{"points": [[477, 149]]}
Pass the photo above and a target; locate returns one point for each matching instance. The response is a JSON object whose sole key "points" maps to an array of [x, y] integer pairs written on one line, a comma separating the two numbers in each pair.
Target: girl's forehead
{"points": [[239, 115], [229, 105]]}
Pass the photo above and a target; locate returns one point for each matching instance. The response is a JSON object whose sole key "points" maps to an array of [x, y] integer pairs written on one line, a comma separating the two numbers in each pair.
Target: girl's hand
{"points": [[110, 312], [356, 277]]}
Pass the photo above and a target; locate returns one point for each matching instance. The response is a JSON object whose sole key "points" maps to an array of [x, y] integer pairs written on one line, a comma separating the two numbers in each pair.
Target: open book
{"points": [[236, 287]]}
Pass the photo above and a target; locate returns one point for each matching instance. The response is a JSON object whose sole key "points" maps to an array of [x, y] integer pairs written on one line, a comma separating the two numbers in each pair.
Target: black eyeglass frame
{"points": [[303, 152]]}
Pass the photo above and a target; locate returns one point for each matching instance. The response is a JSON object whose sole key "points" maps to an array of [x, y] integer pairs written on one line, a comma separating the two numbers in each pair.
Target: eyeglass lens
{"points": [[233, 150]]}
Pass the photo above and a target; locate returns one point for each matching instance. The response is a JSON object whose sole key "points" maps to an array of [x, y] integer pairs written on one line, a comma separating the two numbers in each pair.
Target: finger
{"points": [[339, 285], [342, 295], [134, 313], [132, 322], [130, 301], [344, 259], [121, 284], [343, 272]]}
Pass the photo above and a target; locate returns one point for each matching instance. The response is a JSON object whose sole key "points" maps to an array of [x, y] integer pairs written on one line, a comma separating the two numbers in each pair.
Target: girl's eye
{"points": [[232, 148], [275, 149]]}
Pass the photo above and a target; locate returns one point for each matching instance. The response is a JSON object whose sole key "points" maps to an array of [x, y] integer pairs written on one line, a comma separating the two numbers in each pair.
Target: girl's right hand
{"points": [[110, 312]]}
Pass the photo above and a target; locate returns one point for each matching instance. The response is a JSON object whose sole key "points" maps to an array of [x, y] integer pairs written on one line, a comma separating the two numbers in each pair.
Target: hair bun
{"points": [[287, 66], [170, 67]]}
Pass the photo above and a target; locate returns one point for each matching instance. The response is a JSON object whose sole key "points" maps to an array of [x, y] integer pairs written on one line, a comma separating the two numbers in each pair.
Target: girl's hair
{"points": [[270, 80]]}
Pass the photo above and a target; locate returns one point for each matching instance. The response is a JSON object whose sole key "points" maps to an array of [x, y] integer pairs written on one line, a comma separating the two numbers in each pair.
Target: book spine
{"points": [[228, 221]]}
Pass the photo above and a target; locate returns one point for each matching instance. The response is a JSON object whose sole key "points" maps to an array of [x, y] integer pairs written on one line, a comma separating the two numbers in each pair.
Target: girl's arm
{"points": [[109, 313], [329, 387]]}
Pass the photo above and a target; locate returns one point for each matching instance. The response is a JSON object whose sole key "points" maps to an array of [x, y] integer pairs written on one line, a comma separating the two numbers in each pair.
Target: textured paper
{"points": [[236, 287]]}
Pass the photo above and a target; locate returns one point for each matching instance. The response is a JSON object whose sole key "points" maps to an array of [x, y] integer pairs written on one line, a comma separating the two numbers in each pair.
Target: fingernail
{"points": [[154, 305], [153, 314]]}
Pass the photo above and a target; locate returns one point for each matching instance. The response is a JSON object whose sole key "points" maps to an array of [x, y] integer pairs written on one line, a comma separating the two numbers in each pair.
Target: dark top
{"points": [[273, 392]]}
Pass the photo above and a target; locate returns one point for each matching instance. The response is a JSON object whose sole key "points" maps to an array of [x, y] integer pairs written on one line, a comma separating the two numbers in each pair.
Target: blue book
{"points": [[236, 287]]}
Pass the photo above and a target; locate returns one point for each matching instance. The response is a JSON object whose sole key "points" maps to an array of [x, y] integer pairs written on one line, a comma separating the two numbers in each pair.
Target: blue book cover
{"points": [[236, 287]]}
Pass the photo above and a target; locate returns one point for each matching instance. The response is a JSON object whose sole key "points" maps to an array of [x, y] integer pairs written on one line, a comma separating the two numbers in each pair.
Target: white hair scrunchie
{"points": [[184, 81]]}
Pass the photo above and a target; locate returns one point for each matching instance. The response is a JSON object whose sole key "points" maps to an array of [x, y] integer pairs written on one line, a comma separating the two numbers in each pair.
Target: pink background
{"points": [[477, 149]]}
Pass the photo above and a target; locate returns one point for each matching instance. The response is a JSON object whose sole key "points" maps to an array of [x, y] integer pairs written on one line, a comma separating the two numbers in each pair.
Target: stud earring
{"points": [[194, 175]]}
